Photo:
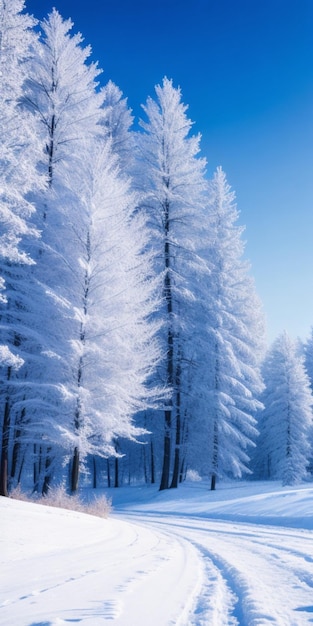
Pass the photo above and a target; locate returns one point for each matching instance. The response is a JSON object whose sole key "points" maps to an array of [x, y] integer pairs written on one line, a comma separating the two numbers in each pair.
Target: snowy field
{"points": [[241, 555]]}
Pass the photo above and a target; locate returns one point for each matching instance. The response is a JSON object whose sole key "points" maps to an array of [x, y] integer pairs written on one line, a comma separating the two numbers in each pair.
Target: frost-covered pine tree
{"points": [[116, 332], [91, 260], [17, 147], [62, 95], [284, 448], [19, 153], [233, 335], [171, 180], [117, 121], [62, 91]]}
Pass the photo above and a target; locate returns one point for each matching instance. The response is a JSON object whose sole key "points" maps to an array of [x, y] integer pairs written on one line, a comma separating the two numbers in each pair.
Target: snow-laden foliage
{"points": [[98, 345], [117, 121], [171, 180], [62, 92], [127, 310], [18, 150], [231, 325], [19, 153], [114, 347], [286, 422]]}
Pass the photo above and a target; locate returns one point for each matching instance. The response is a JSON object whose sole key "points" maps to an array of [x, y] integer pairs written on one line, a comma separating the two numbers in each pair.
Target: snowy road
{"points": [[59, 567], [251, 575], [154, 564]]}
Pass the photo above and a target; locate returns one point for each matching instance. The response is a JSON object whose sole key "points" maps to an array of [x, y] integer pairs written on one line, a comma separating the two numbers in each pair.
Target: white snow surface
{"points": [[187, 557]]}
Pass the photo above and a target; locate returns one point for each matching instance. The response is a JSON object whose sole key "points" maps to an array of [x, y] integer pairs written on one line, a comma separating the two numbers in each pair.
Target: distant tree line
{"points": [[132, 337]]}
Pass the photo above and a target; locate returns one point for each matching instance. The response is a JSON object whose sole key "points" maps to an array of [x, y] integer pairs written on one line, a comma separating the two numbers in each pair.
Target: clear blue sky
{"points": [[245, 68]]}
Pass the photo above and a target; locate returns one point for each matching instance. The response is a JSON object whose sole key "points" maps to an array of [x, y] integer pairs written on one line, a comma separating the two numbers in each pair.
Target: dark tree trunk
{"points": [[75, 470], [167, 452], [78, 419], [170, 347], [18, 450], [4, 474], [36, 466], [175, 477], [116, 465], [15, 454], [47, 476], [215, 456], [5, 445], [5, 451], [109, 473], [21, 469], [182, 473], [152, 464], [116, 477], [94, 466], [50, 150], [145, 471]]}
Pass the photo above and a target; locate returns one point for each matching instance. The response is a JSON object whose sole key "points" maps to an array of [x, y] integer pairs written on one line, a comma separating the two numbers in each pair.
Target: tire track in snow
{"points": [[244, 563]]}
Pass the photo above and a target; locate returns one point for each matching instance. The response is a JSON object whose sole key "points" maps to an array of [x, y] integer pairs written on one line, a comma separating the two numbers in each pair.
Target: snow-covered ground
{"points": [[188, 557]]}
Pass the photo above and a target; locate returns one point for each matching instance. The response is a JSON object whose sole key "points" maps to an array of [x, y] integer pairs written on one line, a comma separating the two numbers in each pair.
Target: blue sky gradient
{"points": [[246, 71]]}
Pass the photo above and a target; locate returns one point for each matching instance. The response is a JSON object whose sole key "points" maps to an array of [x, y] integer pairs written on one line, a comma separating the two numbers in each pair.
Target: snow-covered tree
{"points": [[285, 424], [63, 93], [117, 121], [17, 147], [114, 309], [90, 261], [233, 336], [171, 179], [19, 153], [62, 96]]}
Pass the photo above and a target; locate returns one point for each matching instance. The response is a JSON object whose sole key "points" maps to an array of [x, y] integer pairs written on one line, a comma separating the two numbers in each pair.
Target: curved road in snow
{"points": [[150, 569], [248, 574]]}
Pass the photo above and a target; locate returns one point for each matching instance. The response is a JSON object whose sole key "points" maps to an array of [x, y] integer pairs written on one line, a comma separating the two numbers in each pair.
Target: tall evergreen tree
{"points": [[117, 121], [19, 153], [62, 95], [91, 260], [286, 423], [171, 178], [17, 147], [233, 337]]}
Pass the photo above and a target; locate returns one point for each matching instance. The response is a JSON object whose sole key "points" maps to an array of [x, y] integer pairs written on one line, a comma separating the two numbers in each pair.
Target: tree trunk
{"points": [[167, 452], [94, 466], [109, 473], [116, 481], [183, 445], [152, 464], [17, 445], [47, 476], [215, 456], [5, 445], [145, 472], [175, 477], [15, 454], [75, 470], [5, 451], [4, 474], [170, 351], [21, 468], [36, 466], [182, 473]]}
